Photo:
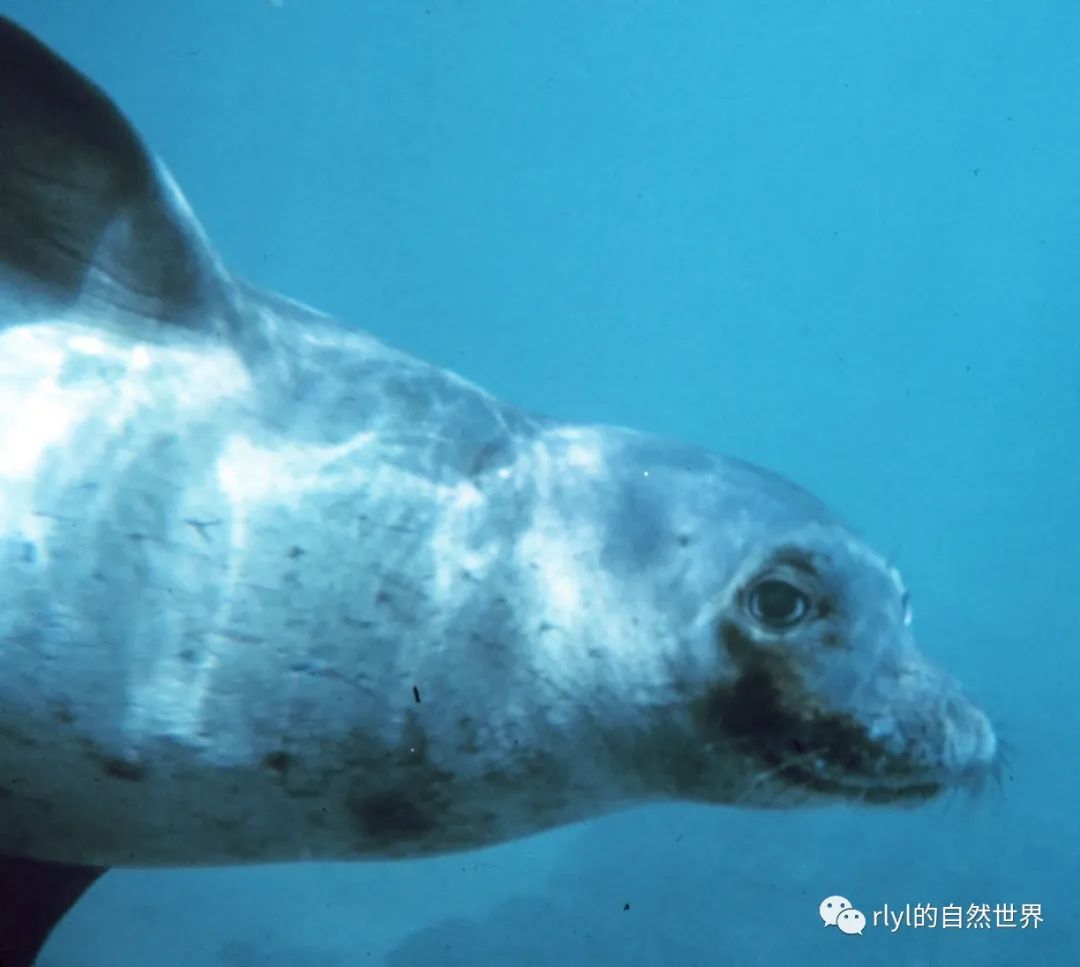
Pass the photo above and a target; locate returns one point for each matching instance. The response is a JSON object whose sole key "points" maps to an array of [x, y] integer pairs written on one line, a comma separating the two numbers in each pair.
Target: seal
{"points": [[272, 590]]}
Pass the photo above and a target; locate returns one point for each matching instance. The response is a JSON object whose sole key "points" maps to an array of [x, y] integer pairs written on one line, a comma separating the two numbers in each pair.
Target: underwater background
{"points": [[839, 239]]}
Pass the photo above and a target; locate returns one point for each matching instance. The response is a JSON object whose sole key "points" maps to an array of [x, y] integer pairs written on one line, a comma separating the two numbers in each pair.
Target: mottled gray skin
{"points": [[272, 590]]}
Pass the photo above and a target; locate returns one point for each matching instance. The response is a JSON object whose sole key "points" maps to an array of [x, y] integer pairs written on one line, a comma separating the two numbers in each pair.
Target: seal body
{"points": [[272, 590]]}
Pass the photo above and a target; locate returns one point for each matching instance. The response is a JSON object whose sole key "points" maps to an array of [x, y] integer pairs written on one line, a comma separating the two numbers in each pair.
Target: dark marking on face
{"points": [[766, 711], [123, 769], [295, 552]]}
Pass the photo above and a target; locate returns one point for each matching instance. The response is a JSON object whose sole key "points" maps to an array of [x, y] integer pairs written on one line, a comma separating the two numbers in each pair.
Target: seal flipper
{"points": [[34, 895], [88, 216]]}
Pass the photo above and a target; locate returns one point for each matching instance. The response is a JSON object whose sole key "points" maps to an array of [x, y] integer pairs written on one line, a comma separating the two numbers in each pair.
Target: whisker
{"points": [[775, 771]]}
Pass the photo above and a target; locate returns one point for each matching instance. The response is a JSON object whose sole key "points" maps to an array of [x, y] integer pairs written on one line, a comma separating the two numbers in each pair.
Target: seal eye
{"points": [[778, 604]]}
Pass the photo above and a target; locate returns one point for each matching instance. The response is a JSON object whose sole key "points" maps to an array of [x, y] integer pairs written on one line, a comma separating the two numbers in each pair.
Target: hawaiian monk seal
{"points": [[272, 590]]}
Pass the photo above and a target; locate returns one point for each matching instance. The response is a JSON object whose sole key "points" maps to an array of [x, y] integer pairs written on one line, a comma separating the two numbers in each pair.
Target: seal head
{"points": [[830, 694], [769, 650]]}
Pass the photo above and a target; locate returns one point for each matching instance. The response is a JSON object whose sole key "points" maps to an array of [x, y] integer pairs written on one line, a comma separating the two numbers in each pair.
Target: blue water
{"points": [[837, 239]]}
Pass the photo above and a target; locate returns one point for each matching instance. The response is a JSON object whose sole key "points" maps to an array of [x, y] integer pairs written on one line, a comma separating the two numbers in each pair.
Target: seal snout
{"points": [[970, 749], [931, 736]]}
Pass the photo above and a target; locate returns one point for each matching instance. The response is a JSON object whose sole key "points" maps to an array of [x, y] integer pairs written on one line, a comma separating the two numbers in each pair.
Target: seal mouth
{"points": [[831, 757], [797, 744], [821, 776], [820, 779]]}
